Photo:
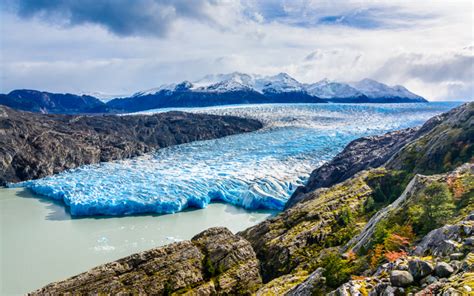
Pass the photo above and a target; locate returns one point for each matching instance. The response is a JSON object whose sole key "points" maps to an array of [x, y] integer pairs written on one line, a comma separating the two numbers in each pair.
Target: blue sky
{"points": [[121, 46]]}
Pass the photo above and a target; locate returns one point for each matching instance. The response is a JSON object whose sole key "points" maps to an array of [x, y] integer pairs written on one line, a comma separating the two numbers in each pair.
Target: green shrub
{"points": [[386, 189], [434, 208], [337, 271]]}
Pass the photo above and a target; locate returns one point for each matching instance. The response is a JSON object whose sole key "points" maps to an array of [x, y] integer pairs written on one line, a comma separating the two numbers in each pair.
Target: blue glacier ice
{"points": [[257, 170]]}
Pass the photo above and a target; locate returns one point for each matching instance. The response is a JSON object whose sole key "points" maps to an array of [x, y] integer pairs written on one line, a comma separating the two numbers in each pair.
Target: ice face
{"points": [[254, 170]]}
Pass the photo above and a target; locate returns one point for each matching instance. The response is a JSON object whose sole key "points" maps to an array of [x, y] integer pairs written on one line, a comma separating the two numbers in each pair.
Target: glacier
{"points": [[258, 170]]}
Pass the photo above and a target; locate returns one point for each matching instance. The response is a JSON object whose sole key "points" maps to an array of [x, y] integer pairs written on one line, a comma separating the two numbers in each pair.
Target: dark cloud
{"points": [[121, 17]]}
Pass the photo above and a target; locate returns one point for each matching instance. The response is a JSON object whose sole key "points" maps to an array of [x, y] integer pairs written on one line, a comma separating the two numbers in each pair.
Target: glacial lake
{"points": [[235, 182], [41, 243]]}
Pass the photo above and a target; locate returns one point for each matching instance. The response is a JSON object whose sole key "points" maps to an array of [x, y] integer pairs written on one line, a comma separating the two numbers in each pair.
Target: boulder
{"points": [[469, 241], [401, 278], [441, 241], [443, 269], [419, 268], [428, 280], [456, 256], [306, 288]]}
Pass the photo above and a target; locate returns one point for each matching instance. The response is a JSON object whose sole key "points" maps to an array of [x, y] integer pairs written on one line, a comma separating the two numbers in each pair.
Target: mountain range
{"points": [[212, 90]]}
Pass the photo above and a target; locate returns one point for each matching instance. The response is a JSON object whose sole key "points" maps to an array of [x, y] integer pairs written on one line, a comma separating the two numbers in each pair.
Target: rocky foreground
{"points": [[402, 223], [35, 145]]}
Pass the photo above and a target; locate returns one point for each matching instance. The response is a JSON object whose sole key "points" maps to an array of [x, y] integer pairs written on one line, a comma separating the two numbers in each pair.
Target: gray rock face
{"points": [[456, 256], [443, 269], [36, 145], [428, 280], [469, 241], [419, 268], [442, 241], [306, 287], [213, 262], [359, 155], [400, 278], [439, 149]]}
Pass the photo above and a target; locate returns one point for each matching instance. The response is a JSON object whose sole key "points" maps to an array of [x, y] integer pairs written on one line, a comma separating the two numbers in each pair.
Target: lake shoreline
{"points": [[37, 231]]}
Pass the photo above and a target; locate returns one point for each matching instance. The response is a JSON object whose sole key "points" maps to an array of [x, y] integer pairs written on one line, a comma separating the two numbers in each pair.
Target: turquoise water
{"points": [[257, 170]]}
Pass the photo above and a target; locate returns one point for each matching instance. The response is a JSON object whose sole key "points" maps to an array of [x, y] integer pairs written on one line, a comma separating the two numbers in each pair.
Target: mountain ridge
{"points": [[214, 90]]}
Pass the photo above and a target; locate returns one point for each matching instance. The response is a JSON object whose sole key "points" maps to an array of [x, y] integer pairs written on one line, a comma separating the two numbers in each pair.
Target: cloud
{"points": [[452, 70], [356, 14], [194, 38], [121, 17]]}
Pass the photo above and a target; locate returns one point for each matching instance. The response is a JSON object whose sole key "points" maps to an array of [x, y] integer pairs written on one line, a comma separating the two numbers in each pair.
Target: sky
{"points": [[118, 47]]}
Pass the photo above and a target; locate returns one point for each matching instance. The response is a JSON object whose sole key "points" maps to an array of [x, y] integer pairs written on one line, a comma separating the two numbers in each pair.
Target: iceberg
{"points": [[258, 170]]}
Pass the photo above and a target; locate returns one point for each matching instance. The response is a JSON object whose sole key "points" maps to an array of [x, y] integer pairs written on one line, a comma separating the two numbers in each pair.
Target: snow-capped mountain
{"points": [[236, 81], [327, 89], [241, 88], [376, 90], [233, 88], [225, 82], [281, 82], [366, 90]]}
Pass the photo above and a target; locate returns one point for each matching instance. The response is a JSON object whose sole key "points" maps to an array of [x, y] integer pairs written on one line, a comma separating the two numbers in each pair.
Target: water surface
{"points": [[40, 243]]}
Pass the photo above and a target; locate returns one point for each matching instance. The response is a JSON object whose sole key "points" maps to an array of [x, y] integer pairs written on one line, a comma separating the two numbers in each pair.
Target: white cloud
{"points": [[415, 49]]}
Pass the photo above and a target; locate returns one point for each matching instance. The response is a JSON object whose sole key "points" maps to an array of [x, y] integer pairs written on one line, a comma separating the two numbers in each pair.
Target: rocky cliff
{"points": [[359, 155], [442, 143], [35, 145], [213, 262], [447, 142]]}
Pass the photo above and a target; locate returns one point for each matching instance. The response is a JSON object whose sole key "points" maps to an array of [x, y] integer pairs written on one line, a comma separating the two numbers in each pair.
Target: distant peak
{"points": [[284, 76], [324, 81], [369, 80]]}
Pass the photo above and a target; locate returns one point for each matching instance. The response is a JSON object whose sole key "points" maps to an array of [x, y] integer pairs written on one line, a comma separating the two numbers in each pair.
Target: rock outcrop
{"points": [[447, 143], [36, 145], [214, 262], [326, 218], [361, 154], [441, 144]]}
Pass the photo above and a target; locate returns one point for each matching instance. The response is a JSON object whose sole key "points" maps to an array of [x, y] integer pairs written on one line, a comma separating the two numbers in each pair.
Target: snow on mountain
{"points": [[152, 91], [327, 89], [185, 85], [225, 82], [366, 90], [244, 82], [103, 96], [281, 82], [375, 89]]}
